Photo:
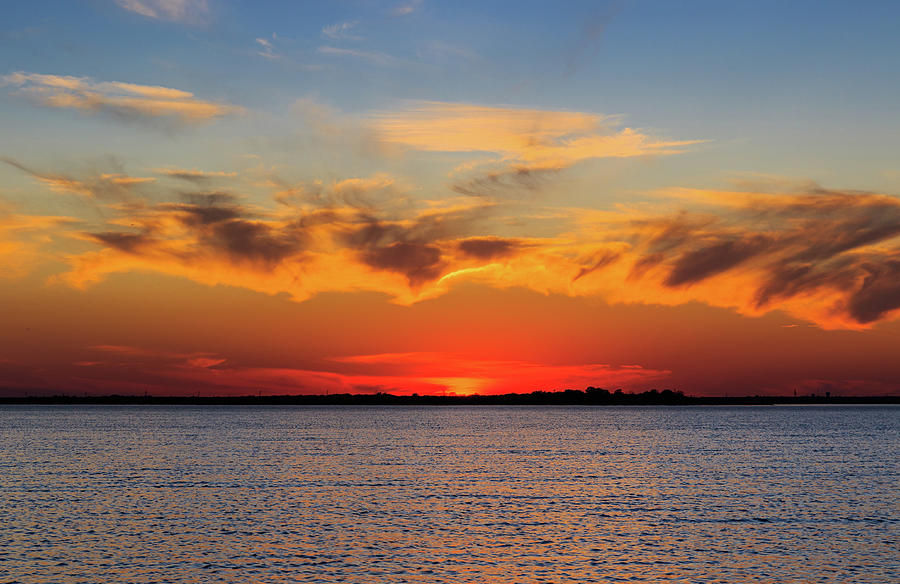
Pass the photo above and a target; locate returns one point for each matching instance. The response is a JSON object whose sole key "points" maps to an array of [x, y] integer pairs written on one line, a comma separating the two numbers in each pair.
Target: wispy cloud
{"points": [[115, 98], [103, 185], [267, 48], [341, 31], [183, 11], [407, 7]]}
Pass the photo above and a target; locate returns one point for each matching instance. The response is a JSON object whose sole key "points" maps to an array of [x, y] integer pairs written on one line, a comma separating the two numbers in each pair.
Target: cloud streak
{"points": [[121, 100], [102, 186], [341, 31], [182, 11]]}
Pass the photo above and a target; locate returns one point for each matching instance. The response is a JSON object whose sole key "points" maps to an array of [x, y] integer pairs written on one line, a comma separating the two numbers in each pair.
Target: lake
{"points": [[449, 494]]}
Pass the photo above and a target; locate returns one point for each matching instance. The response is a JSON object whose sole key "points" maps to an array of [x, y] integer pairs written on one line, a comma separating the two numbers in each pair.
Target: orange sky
{"points": [[333, 210]]}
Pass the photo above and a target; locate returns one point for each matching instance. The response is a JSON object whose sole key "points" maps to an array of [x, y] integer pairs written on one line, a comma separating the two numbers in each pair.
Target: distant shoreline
{"points": [[591, 396]]}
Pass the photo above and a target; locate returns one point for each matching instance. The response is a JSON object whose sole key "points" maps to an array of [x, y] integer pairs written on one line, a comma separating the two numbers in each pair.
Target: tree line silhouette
{"points": [[588, 396]]}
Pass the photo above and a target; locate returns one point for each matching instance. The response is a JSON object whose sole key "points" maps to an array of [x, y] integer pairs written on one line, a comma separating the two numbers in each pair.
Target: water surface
{"points": [[449, 494]]}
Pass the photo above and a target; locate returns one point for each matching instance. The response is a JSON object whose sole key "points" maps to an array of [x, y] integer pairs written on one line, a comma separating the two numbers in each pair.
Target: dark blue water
{"points": [[453, 494]]}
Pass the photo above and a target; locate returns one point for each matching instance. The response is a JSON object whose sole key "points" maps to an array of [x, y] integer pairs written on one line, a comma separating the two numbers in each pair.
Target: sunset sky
{"points": [[223, 197]]}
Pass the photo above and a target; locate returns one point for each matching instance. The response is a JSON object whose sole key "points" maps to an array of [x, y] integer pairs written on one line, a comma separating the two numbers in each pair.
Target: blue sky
{"points": [[805, 89]]}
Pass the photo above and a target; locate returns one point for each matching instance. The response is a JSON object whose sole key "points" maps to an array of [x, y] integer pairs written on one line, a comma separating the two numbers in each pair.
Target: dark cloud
{"points": [[188, 175], [375, 232], [206, 215], [488, 248], [127, 242], [879, 292], [419, 262], [253, 241], [602, 260], [209, 198], [218, 225], [405, 249], [801, 245], [412, 248], [644, 263], [200, 209], [197, 177], [713, 259]]}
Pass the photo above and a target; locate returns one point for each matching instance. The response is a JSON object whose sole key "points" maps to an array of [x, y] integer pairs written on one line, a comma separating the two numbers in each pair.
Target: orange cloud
{"points": [[529, 138], [123, 100], [827, 257], [23, 239], [832, 258]]}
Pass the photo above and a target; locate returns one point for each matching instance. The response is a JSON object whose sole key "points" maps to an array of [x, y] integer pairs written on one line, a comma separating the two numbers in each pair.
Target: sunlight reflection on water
{"points": [[452, 494]]}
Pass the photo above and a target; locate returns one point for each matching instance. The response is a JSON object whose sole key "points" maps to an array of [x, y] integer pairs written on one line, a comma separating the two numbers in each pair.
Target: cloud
{"points": [[24, 239], [103, 186], [489, 248], [195, 176], [831, 258], [183, 11], [698, 264], [267, 48], [221, 226], [598, 261], [335, 239], [126, 242], [406, 8], [527, 145], [514, 179], [518, 150], [419, 262], [537, 138], [127, 101], [826, 256], [341, 31]]}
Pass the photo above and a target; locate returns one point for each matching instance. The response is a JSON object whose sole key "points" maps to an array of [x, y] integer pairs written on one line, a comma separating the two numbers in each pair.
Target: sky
{"points": [[218, 197]]}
